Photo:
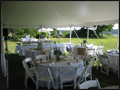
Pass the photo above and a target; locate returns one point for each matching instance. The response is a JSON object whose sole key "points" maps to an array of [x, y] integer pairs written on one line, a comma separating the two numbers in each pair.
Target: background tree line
{"points": [[21, 33]]}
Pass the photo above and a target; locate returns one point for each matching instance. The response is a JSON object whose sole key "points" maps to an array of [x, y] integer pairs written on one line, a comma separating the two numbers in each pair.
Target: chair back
{"points": [[80, 79], [42, 71], [65, 70], [89, 84], [105, 59], [28, 71], [98, 56], [87, 69], [30, 61], [50, 75], [70, 71]]}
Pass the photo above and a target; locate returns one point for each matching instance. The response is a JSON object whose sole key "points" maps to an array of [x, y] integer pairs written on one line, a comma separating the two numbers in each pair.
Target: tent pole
{"points": [[3, 61], [118, 38], [87, 35], [70, 34], [49, 35]]}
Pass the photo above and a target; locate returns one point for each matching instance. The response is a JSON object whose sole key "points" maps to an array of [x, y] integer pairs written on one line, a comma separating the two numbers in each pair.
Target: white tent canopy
{"points": [[56, 14]]}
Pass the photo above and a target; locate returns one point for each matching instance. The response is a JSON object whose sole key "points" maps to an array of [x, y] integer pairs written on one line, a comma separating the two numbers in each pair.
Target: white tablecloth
{"points": [[54, 68], [114, 58], [62, 46], [22, 48]]}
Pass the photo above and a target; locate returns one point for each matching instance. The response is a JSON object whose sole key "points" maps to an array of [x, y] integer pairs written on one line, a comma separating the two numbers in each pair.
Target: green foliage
{"points": [[73, 33], [64, 34], [44, 34], [68, 35], [83, 32], [20, 33], [38, 35], [57, 53], [102, 28], [31, 32], [53, 32]]}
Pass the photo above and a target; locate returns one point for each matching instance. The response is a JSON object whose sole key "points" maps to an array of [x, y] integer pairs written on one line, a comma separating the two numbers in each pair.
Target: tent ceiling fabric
{"points": [[54, 14]]}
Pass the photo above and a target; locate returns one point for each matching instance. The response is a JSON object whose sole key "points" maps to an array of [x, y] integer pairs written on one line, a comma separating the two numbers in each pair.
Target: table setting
{"points": [[55, 65]]}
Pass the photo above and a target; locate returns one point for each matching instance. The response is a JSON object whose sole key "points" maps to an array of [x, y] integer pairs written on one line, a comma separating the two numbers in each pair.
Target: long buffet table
{"points": [[33, 53], [62, 46], [22, 48]]}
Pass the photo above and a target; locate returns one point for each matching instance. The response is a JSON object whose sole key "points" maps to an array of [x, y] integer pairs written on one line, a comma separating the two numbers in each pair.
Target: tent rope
{"points": [[77, 35], [97, 37]]}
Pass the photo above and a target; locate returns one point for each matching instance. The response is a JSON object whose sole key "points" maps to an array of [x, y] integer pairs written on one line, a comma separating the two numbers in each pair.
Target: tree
{"points": [[53, 32], [19, 33], [13, 32], [64, 34], [102, 28], [83, 32]]}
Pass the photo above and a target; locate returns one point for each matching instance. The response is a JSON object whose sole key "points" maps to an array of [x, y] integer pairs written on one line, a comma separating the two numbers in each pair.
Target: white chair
{"points": [[86, 73], [101, 52], [67, 74], [106, 64], [30, 62], [89, 84], [43, 75], [29, 72]]}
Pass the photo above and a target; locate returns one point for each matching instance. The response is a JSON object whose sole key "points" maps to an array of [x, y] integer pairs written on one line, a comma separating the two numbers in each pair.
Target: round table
{"points": [[54, 68]]}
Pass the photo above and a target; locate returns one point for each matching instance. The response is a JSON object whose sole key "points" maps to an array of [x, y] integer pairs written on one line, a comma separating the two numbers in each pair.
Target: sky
{"points": [[115, 26]]}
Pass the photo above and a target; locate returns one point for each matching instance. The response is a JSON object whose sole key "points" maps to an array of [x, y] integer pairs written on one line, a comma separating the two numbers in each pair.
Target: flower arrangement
{"points": [[57, 53]]}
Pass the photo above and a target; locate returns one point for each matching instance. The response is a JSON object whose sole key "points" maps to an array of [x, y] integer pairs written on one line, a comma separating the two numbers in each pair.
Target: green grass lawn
{"points": [[109, 42]]}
